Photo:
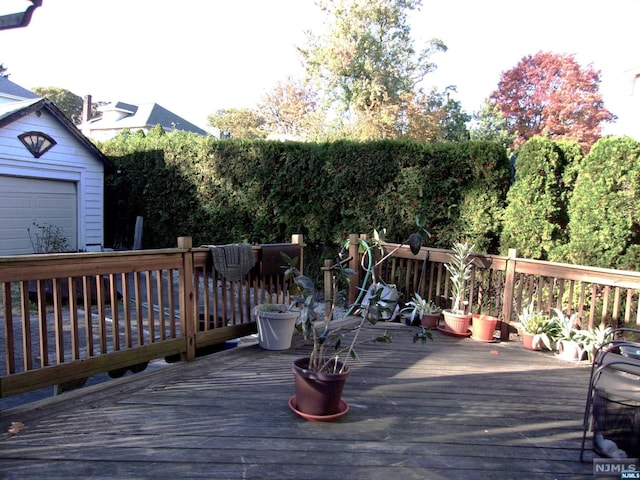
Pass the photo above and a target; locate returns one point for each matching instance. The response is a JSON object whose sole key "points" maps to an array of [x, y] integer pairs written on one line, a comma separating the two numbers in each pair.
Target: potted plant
{"points": [[320, 377], [456, 320], [423, 311], [568, 336], [276, 323], [483, 327], [536, 328], [594, 338]]}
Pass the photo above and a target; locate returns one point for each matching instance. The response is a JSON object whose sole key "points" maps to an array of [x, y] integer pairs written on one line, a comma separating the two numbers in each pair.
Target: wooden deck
{"points": [[455, 408]]}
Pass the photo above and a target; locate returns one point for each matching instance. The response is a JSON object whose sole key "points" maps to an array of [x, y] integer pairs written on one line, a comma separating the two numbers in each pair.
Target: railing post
{"points": [[298, 239], [328, 289], [507, 298], [188, 308]]}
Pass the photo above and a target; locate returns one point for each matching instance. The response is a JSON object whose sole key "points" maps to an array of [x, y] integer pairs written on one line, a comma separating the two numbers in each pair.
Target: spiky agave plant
{"points": [[459, 268]]}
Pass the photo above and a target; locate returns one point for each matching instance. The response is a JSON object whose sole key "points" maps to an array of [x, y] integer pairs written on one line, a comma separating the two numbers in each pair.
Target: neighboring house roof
{"points": [[11, 91], [10, 112], [120, 115]]}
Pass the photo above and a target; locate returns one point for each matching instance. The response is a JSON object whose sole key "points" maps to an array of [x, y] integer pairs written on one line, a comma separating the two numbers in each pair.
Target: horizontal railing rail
{"points": [[69, 316]]}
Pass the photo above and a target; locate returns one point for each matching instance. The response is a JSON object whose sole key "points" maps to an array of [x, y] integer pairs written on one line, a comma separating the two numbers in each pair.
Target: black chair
{"points": [[612, 409]]}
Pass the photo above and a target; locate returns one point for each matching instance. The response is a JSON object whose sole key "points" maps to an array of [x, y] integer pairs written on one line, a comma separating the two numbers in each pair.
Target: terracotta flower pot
{"points": [[457, 323], [531, 341], [483, 327], [429, 320], [317, 393]]}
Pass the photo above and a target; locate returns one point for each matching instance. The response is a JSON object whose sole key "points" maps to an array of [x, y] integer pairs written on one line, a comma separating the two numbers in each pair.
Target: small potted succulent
{"points": [[568, 336], [594, 338], [538, 331], [456, 319], [424, 311]]}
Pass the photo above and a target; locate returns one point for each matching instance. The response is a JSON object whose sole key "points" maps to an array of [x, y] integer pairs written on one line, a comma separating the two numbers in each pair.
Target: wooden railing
{"points": [[502, 286], [70, 316]]}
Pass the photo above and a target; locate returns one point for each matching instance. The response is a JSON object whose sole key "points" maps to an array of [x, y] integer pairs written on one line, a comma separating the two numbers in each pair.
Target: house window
{"points": [[37, 142]]}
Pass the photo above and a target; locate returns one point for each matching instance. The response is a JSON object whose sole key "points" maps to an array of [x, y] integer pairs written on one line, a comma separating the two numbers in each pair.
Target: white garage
{"points": [[50, 175], [35, 212]]}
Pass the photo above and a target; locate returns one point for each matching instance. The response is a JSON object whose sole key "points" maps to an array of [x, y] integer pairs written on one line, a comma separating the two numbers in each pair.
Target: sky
{"points": [[195, 57]]}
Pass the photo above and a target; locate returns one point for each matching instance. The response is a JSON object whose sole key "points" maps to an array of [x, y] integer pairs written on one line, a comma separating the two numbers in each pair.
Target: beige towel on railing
{"points": [[233, 261]]}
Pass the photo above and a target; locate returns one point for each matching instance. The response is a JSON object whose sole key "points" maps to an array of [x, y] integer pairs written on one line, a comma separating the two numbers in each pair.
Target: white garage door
{"points": [[24, 201]]}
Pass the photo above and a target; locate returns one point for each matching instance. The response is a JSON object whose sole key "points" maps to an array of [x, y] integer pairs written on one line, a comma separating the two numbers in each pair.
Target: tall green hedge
{"points": [[536, 217], [604, 209], [223, 191], [561, 207]]}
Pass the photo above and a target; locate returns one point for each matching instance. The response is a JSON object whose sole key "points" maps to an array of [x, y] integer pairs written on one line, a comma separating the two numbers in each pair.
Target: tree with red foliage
{"points": [[551, 95]]}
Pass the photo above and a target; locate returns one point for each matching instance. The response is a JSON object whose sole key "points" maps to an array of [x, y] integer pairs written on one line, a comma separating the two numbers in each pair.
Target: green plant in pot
{"points": [[321, 376], [456, 319], [568, 337], [594, 338], [423, 311], [537, 330]]}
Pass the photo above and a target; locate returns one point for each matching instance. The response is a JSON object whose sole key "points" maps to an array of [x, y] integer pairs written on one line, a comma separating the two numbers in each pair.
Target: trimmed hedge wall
{"points": [[604, 208], [536, 217], [562, 207], [226, 191]]}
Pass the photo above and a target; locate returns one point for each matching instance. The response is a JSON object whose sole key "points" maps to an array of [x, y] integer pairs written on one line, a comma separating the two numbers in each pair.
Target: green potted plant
{"points": [[594, 338], [456, 319], [537, 330], [423, 310], [568, 337], [320, 376]]}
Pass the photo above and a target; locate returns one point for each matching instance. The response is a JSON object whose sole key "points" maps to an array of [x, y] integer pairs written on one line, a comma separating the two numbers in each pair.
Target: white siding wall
{"points": [[67, 160]]}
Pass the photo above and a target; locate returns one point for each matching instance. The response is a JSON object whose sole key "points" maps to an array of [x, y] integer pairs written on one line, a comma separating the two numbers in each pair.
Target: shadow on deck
{"points": [[454, 408]]}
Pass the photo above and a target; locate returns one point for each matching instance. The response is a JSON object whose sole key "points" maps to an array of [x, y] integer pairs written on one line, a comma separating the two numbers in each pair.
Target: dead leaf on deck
{"points": [[15, 428], [494, 352]]}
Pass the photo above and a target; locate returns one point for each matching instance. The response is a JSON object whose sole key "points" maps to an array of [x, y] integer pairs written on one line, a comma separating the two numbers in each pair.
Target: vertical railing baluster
{"points": [[73, 318]]}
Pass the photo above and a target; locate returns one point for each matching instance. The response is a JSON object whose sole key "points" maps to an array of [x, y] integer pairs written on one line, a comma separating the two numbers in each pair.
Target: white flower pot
{"points": [[275, 325]]}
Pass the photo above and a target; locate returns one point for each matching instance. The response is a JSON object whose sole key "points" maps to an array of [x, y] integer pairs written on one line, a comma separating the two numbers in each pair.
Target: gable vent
{"points": [[37, 142]]}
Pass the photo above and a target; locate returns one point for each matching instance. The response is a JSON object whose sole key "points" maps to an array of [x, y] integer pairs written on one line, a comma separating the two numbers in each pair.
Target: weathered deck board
{"points": [[454, 408]]}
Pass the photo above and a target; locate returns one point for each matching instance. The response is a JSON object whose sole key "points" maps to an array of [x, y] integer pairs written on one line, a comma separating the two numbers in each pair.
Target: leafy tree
{"points": [[536, 219], [490, 125], [366, 62], [435, 117], [552, 95], [604, 209], [239, 122], [68, 102], [292, 108], [455, 121]]}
